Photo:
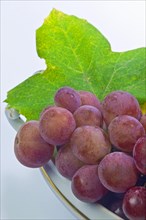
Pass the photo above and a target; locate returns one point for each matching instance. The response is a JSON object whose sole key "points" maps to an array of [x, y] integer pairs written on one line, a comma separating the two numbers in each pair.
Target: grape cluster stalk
{"points": [[100, 146]]}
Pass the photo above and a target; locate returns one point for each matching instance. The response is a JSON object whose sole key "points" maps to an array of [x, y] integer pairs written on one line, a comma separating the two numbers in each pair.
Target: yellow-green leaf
{"points": [[78, 55]]}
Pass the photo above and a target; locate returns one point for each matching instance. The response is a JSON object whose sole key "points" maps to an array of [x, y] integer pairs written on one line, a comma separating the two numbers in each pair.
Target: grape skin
{"points": [[88, 115], [66, 163], [56, 125], [139, 155], [45, 109], [120, 103], [134, 203], [30, 148], [117, 172], [88, 98], [143, 121], [86, 185], [124, 131], [68, 98], [90, 144]]}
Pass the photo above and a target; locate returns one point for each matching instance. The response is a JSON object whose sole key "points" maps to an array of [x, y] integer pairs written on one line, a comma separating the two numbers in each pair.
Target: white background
{"points": [[24, 193]]}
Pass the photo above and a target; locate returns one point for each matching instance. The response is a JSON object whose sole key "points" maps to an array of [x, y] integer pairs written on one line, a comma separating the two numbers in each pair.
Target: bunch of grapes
{"points": [[99, 146]]}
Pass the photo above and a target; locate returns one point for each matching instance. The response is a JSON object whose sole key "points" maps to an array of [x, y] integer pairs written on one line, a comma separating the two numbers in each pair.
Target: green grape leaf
{"points": [[79, 56]]}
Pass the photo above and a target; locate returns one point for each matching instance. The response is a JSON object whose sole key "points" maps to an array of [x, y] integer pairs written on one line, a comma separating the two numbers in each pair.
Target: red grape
{"points": [[87, 115], [134, 203], [124, 131], [120, 103], [68, 98], [139, 154], [86, 185], [117, 172], [90, 144], [88, 98], [30, 148], [66, 163], [56, 125], [143, 121]]}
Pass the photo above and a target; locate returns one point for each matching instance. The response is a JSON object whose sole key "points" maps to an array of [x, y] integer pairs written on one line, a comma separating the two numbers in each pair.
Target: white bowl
{"points": [[62, 186]]}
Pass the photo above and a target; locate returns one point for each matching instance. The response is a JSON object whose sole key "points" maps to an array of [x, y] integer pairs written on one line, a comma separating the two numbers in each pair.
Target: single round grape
{"points": [[30, 148], [57, 125], [139, 155], [68, 98], [134, 203], [117, 172], [124, 131], [88, 98], [143, 121], [88, 115], [120, 103], [90, 144], [86, 185], [66, 163]]}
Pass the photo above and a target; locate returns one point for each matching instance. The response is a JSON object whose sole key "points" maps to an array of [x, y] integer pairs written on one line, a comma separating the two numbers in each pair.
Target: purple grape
{"points": [[57, 125], [87, 115], [134, 203], [124, 131], [90, 144], [143, 121], [68, 98], [88, 98], [86, 185], [120, 103], [30, 148], [66, 163], [139, 155], [117, 172]]}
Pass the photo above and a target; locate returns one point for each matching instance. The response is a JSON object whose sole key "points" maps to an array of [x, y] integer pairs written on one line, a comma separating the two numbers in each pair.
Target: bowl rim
{"points": [[59, 194]]}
